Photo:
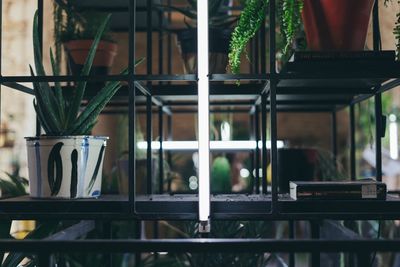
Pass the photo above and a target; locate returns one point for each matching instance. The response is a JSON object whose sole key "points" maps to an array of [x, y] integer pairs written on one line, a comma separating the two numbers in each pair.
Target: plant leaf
{"points": [[57, 88], [44, 88], [81, 86]]}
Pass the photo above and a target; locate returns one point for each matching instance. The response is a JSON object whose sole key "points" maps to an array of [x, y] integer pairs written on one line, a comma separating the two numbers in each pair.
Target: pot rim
{"points": [[48, 137]]}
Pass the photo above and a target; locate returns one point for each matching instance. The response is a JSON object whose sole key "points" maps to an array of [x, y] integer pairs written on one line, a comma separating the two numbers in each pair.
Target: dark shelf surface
{"points": [[105, 206], [185, 207], [243, 206]]}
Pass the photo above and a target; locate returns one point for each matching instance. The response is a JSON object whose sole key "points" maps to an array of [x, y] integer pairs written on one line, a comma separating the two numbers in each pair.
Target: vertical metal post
{"points": [[149, 138], [40, 32], [375, 27], [273, 112], [352, 144], [252, 153], [292, 235], [315, 256], [169, 42], [257, 158], [149, 121], [161, 152], [132, 111], [169, 137], [334, 137], [203, 115], [160, 42], [378, 135], [264, 142]]}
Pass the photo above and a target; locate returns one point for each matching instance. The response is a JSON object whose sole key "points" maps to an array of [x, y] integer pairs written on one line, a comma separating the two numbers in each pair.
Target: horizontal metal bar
{"points": [[201, 245], [183, 77], [239, 77]]}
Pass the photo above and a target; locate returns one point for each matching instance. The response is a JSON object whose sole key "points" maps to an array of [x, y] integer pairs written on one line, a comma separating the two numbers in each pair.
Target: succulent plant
{"points": [[59, 115]]}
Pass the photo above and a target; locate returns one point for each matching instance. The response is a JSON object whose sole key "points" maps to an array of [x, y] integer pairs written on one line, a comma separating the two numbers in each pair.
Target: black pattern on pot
{"points": [[55, 163], [83, 165], [74, 173], [96, 170], [38, 170]]}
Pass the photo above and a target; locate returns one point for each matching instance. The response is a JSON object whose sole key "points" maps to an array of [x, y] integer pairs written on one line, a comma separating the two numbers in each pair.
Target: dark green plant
{"points": [[251, 19], [58, 115], [216, 17]]}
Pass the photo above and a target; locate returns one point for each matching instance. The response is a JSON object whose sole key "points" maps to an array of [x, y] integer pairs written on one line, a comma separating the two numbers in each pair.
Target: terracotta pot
{"points": [[65, 166], [78, 51], [336, 25]]}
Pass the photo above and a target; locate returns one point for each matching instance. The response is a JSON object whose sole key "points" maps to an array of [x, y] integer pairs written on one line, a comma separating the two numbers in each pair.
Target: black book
{"points": [[343, 190], [300, 56]]}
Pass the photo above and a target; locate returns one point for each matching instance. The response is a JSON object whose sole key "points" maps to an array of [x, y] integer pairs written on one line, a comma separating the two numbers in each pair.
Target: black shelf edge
{"points": [[232, 245], [185, 207]]}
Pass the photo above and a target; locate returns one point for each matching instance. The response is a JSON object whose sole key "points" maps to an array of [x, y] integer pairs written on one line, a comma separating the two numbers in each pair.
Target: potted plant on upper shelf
{"points": [[76, 29], [334, 25], [67, 161], [219, 35]]}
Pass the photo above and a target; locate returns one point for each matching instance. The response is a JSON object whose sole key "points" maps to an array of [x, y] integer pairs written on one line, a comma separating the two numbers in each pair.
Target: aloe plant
{"points": [[216, 18], [60, 116]]}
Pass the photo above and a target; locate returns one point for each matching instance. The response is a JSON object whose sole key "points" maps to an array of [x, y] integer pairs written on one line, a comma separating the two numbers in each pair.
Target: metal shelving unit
{"points": [[260, 95]]}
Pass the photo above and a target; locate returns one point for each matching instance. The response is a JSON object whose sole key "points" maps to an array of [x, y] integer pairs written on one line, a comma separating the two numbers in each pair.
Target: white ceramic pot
{"points": [[65, 167]]}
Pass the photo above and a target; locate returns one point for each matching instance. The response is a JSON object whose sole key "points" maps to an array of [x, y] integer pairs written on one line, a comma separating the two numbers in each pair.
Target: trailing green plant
{"points": [[251, 19], [59, 115], [216, 17], [396, 29], [289, 13]]}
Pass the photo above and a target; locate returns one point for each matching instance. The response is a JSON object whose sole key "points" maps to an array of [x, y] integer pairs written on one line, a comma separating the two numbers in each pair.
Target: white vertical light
{"points": [[203, 114], [393, 143]]}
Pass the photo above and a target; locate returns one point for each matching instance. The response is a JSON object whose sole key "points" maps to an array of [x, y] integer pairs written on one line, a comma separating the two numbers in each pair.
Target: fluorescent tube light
{"points": [[203, 115]]}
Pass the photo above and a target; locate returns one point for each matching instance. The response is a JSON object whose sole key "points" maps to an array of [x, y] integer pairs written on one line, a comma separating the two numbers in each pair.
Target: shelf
{"points": [[25, 207], [185, 207], [250, 207]]}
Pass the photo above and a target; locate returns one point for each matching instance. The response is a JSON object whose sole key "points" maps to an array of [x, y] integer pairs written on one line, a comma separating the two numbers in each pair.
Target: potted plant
{"points": [[328, 24], [219, 35], [76, 29], [67, 161]]}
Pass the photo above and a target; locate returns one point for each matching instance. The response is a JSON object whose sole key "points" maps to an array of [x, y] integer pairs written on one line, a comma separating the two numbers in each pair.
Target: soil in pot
{"points": [[65, 167], [218, 49]]}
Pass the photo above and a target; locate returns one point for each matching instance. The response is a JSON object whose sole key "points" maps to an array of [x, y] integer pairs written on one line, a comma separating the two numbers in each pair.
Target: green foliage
{"points": [[58, 115], [250, 21], [289, 12], [216, 18], [13, 186]]}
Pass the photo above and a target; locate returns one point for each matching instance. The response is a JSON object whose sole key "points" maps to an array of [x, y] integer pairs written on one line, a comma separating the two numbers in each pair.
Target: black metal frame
{"points": [[269, 93]]}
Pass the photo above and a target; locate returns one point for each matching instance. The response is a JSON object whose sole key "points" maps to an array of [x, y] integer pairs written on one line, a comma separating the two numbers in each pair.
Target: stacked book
{"points": [[343, 190], [351, 61]]}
